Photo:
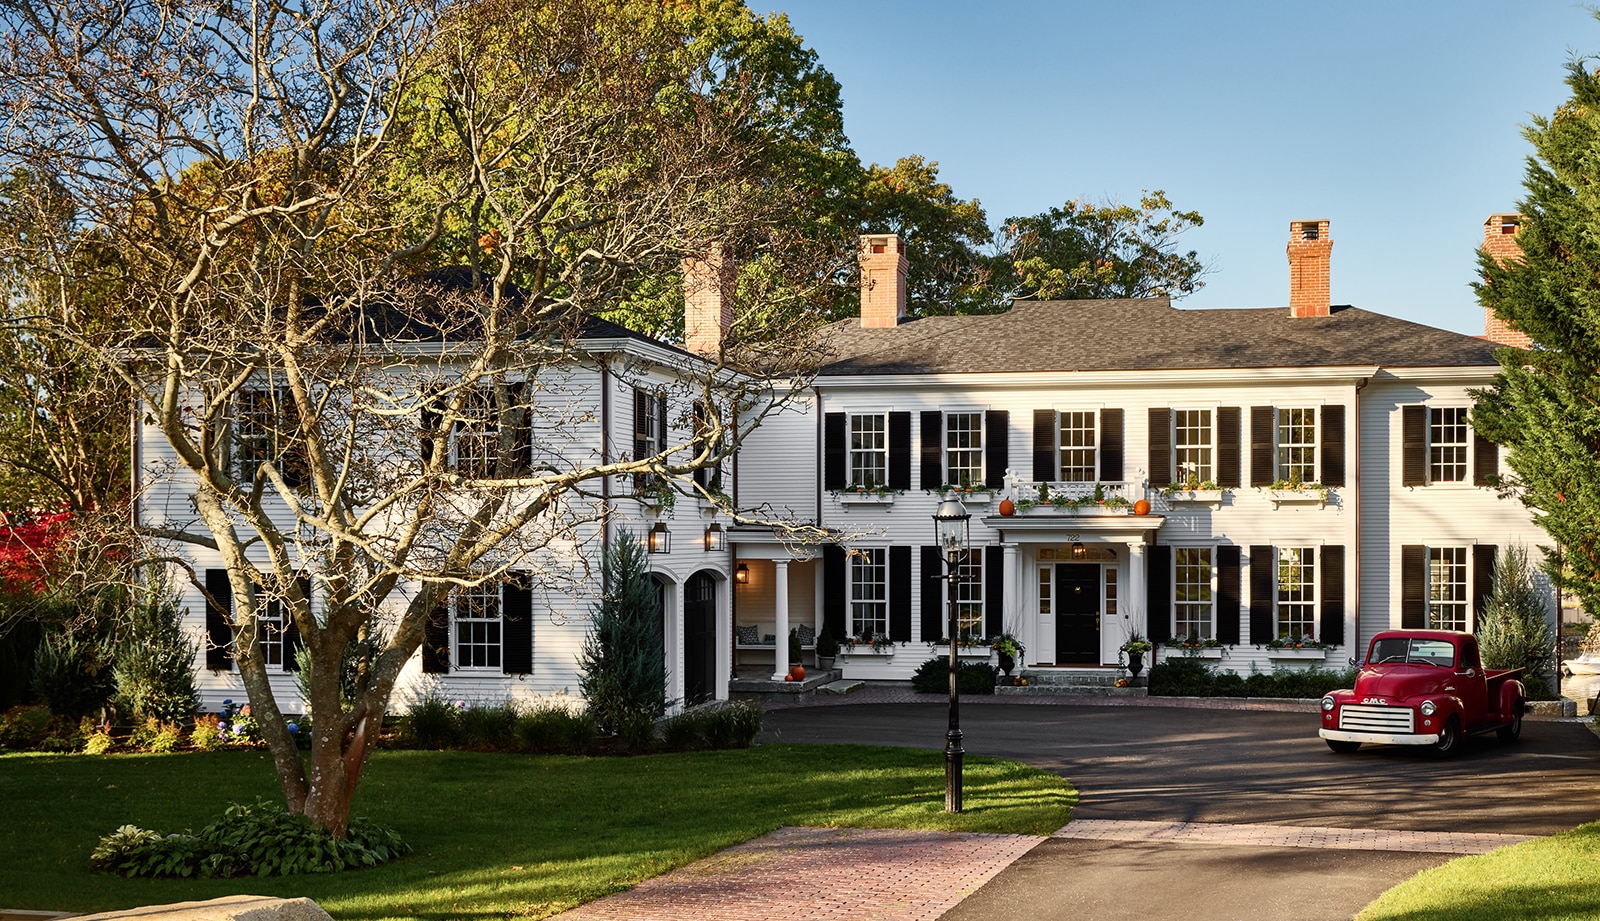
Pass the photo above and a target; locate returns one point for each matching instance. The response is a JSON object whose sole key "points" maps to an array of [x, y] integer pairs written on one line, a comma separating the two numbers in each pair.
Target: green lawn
{"points": [[495, 835], [1550, 879]]}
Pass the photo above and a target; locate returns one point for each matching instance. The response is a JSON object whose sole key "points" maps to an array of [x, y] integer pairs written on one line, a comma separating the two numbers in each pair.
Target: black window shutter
{"points": [[436, 638], [1483, 562], [1413, 587], [1228, 447], [1413, 446], [1263, 463], [1263, 597], [291, 631], [1333, 445], [1044, 445], [1485, 460], [430, 426], [703, 476], [899, 450], [1160, 447], [833, 451], [900, 594], [932, 449], [833, 589], [219, 636], [516, 627], [996, 447], [994, 590], [1332, 625], [1158, 593], [641, 423], [1111, 445], [932, 594], [1228, 607], [661, 423]]}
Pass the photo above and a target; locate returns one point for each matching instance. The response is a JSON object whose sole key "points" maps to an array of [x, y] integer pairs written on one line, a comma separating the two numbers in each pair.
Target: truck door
{"points": [[1468, 682]]}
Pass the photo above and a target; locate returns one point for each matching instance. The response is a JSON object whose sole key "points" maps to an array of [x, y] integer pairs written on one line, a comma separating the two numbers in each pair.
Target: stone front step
{"points": [[746, 688], [1072, 677], [1068, 690]]}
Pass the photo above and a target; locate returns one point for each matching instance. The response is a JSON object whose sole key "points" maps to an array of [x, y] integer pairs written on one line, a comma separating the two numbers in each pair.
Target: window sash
{"points": [[969, 595], [265, 426], [869, 592], [475, 437], [477, 626], [1447, 444], [1447, 588], [964, 448], [1191, 445], [1079, 461], [1297, 592], [273, 622], [1297, 445], [869, 449], [1193, 597]]}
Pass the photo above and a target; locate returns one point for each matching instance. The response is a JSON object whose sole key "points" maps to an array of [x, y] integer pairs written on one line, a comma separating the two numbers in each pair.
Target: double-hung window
{"points": [[963, 436], [1447, 588], [1079, 462], [1193, 592], [869, 449], [274, 624], [475, 437], [969, 595], [1297, 445], [476, 632], [1297, 592], [1447, 444], [869, 592], [265, 426], [1191, 446]]}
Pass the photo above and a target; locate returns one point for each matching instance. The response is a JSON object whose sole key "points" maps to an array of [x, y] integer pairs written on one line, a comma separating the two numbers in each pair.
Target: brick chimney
{"points": [[707, 300], [883, 280], [1500, 242], [1310, 247]]}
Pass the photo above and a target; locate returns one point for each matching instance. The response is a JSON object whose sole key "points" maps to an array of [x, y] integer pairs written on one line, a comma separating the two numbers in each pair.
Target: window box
{"points": [[1280, 497], [1297, 655], [866, 652], [1211, 497], [962, 652], [1204, 652], [865, 498], [983, 497]]}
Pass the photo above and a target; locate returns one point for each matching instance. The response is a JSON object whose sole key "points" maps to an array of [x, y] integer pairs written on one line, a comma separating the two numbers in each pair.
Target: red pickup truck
{"points": [[1423, 687]]}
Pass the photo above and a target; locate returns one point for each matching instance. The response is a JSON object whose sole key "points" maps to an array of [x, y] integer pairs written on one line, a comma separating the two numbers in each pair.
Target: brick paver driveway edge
{"points": [[1353, 839], [839, 874]]}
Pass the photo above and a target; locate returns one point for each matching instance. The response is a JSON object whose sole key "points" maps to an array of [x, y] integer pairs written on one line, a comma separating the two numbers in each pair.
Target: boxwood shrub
{"points": [[1181, 676]]}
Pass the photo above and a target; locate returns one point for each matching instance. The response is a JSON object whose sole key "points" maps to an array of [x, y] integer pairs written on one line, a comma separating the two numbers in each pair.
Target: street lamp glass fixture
{"points": [[715, 538], [660, 538], [951, 530]]}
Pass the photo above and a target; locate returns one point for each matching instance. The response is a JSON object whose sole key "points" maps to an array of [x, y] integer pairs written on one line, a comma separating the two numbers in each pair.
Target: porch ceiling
{"points": [[1055, 529]]}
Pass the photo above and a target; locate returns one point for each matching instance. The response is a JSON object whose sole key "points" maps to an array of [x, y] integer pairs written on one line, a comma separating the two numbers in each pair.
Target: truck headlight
{"points": [[1327, 703], [1427, 708]]}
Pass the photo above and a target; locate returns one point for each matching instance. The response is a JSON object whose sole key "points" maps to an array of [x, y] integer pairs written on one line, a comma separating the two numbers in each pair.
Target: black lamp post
{"points": [[951, 532]]}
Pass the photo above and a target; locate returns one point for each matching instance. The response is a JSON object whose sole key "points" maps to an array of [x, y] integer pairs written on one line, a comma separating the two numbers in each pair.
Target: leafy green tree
{"points": [[623, 659], [1514, 631], [1082, 251], [947, 271], [1544, 404]]}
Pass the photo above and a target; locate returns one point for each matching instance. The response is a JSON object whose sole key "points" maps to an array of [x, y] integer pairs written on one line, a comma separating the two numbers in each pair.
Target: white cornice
{"points": [[1032, 379]]}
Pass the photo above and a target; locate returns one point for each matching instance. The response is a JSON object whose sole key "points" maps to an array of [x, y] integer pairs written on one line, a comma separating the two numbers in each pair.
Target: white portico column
{"points": [[1013, 608], [780, 588], [1135, 592]]}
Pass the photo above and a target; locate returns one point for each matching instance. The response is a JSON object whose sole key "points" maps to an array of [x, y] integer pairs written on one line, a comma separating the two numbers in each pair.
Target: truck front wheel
{"points": [[1449, 738], [1343, 748], [1512, 732]]}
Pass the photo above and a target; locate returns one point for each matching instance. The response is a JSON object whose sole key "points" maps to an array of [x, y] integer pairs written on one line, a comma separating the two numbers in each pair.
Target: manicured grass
{"points": [[495, 835], [1550, 879]]}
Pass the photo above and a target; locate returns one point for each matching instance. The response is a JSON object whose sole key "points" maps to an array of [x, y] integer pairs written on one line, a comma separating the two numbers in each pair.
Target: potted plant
{"points": [[1135, 648], [1008, 648], [827, 649], [797, 672]]}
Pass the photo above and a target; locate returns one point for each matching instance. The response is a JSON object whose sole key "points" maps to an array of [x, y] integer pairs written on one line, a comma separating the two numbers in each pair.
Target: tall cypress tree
{"points": [[623, 663], [1545, 403]]}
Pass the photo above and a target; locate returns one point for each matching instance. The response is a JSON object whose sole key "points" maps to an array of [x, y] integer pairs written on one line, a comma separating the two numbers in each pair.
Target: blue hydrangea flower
{"points": [[294, 727]]}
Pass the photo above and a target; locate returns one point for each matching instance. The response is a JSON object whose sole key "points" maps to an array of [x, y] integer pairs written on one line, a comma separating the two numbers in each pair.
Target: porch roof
{"points": [[1060, 529]]}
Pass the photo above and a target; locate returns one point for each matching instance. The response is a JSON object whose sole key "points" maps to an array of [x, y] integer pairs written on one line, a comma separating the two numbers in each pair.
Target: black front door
{"points": [[1077, 614], [699, 638]]}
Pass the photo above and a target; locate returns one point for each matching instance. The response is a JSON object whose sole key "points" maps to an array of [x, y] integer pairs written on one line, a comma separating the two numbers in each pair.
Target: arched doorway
{"points": [[699, 638], [660, 626]]}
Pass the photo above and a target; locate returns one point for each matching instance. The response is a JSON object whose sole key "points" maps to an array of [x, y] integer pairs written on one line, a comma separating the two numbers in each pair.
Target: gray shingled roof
{"points": [[1144, 335]]}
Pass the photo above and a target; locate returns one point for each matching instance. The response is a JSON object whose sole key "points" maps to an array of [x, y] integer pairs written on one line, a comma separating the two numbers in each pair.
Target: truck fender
{"points": [[1512, 700]]}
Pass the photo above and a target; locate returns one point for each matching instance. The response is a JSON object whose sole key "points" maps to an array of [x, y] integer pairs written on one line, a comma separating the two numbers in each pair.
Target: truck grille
{"points": [[1361, 718]]}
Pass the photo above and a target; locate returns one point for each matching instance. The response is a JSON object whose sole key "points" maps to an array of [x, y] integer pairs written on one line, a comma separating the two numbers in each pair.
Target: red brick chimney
{"points": [[1500, 242], [1309, 250], [883, 280], [707, 300]]}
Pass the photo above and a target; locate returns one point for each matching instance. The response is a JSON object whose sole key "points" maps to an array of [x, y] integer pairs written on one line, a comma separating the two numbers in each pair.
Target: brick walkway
{"points": [[1348, 839], [838, 874]]}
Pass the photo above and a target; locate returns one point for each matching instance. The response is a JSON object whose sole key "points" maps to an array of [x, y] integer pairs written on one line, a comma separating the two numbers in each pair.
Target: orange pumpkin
{"points": [[1007, 507], [1142, 507], [797, 673]]}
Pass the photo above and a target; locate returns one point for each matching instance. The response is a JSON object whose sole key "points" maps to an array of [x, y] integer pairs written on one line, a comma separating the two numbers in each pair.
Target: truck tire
{"points": [[1449, 739], [1343, 748], [1514, 731]]}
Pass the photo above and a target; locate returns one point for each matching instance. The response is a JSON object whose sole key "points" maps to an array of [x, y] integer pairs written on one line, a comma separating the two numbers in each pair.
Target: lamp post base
{"points": [[952, 770]]}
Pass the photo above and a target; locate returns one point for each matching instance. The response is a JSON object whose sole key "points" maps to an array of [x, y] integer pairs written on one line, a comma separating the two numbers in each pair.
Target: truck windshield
{"points": [[1413, 651]]}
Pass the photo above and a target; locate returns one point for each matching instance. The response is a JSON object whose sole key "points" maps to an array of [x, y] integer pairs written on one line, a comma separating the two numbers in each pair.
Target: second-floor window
{"points": [[1079, 463], [1297, 592], [1192, 592], [1447, 444], [265, 430], [869, 449], [963, 438], [1447, 588], [1297, 445], [1191, 445], [475, 441], [869, 592]]}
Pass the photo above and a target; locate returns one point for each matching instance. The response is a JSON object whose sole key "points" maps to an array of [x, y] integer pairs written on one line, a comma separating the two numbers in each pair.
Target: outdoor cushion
{"points": [[807, 634], [749, 636]]}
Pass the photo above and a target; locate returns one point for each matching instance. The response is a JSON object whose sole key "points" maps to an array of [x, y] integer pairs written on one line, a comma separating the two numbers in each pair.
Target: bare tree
{"points": [[358, 246]]}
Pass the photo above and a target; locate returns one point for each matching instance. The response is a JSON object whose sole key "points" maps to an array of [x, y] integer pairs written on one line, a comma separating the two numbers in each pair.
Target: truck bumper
{"points": [[1380, 738]]}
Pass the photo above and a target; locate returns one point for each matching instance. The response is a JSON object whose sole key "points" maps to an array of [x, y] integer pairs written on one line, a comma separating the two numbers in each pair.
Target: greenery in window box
{"points": [[964, 641], [1192, 484], [1295, 484], [1192, 641], [865, 489], [659, 492], [967, 489], [1295, 640]]}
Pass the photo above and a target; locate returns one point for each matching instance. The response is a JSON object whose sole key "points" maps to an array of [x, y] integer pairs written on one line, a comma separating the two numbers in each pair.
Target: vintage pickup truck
{"points": [[1423, 687]]}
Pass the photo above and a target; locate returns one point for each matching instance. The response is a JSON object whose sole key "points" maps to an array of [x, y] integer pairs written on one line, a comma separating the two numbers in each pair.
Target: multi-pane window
{"points": [[264, 427], [969, 595], [869, 592], [273, 622], [1192, 592], [1078, 461], [1447, 588], [1297, 445], [477, 626], [1297, 592], [1110, 577], [1191, 444], [476, 440], [1447, 444], [705, 421], [1047, 581], [963, 441], [869, 449]]}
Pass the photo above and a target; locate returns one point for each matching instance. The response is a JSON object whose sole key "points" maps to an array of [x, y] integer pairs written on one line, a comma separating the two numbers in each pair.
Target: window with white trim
{"points": [[476, 626], [1447, 444], [869, 449], [969, 595], [1297, 592], [1109, 579], [1079, 461], [265, 430], [475, 437], [1193, 598], [1297, 445], [1447, 588], [1191, 445], [963, 439], [273, 622], [869, 592], [1047, 581]]}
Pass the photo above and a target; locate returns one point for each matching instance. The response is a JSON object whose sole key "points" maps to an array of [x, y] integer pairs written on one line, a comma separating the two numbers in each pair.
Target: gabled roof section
{"points": [[1147, 334]]}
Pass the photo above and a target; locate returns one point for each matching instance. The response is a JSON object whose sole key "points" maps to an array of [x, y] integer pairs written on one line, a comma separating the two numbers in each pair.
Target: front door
{"points": [[1077, 614], [699, 638]]}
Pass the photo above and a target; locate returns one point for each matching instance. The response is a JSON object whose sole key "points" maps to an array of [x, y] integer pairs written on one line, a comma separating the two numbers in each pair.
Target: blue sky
{"points": [[1398, 121]]}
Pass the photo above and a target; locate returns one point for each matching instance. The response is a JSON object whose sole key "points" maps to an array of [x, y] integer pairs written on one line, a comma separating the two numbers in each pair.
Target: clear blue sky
{"points": [[1398, 121]]}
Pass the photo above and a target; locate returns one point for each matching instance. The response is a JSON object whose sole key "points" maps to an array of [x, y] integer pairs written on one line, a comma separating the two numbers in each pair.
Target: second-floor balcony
{"points": [[1075, 498]]}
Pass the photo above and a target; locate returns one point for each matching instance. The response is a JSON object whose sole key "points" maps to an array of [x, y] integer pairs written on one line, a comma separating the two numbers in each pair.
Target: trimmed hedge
{"points": [[1189, 677], [933, 677]]}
